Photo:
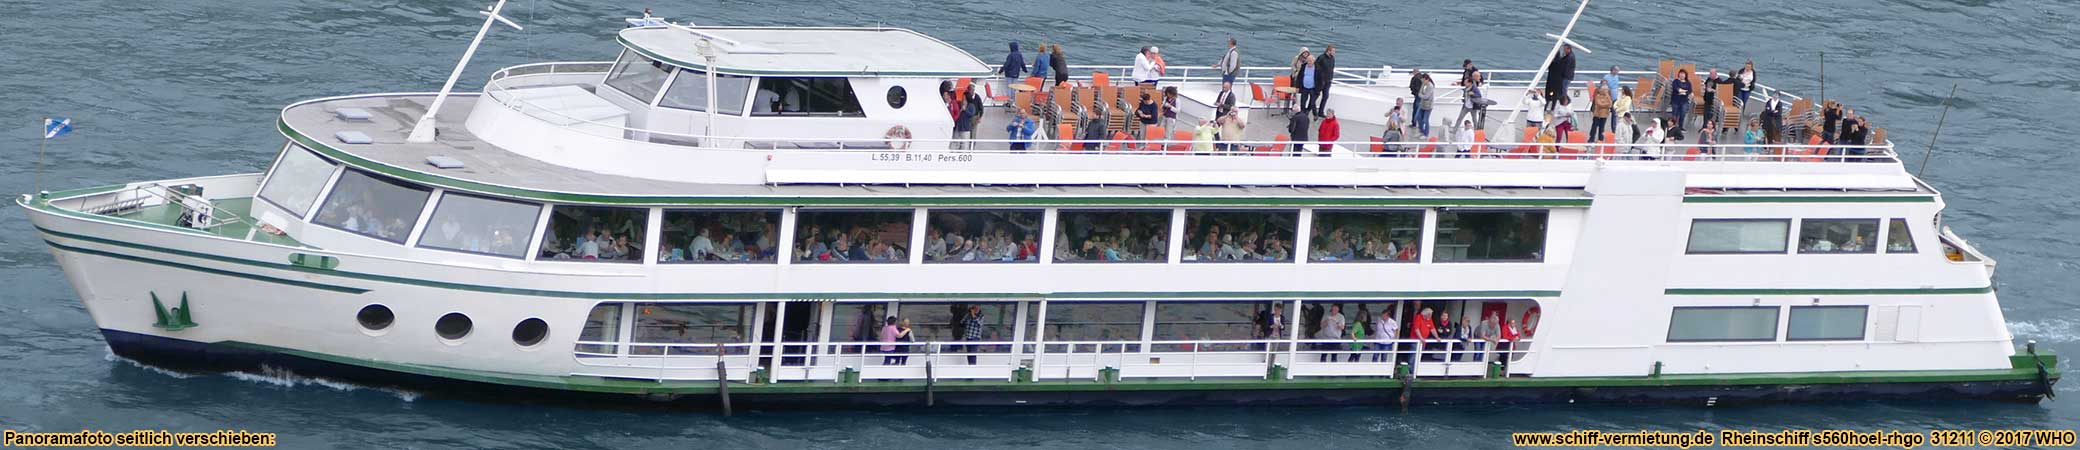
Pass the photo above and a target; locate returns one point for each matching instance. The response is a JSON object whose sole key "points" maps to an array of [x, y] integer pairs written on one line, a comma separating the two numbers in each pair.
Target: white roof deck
{"points": [[754, 51]]}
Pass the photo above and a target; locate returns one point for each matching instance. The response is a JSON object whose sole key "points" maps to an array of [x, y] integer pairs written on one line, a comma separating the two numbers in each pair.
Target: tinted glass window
{"points": [[373, 207], [587, 233], [1491, 236], [881, 236], [637, 76], [1826, 323], [982, 236], [689, 323], [1081, 321], [1211, 321], [1112, 236], [831, 97], [1239, 236], [1723, 324], [1838, 236], [481, 225], [297, 180], [694, 236], [690, 91], [1709, 236], [1898, 239], [1386, 236], [602, 325]]}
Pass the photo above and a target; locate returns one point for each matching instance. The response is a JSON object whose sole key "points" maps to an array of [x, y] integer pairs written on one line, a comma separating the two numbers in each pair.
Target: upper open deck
{"points": [[753, 51]]}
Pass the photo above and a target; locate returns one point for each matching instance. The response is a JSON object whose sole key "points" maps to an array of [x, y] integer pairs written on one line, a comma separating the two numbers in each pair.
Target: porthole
{"points": [[375, 317], [453, 326], [530, 332], [897, 97]]}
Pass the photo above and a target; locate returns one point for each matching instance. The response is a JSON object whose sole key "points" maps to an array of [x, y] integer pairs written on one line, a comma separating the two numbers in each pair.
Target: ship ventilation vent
{"points": [[353, 137], [352, 114]]}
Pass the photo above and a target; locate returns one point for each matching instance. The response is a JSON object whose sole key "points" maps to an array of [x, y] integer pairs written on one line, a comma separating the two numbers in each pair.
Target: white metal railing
{"points": [[1505, 144], [1050, 360]]}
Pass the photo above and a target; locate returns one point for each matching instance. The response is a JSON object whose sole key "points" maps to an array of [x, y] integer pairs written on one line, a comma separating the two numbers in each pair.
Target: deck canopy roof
{"points": [[762, 51]]}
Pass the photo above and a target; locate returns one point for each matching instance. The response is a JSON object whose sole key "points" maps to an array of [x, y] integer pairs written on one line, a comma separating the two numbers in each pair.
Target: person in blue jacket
{"points": [[1014, 63], [1042, 62], [1021, 130]]}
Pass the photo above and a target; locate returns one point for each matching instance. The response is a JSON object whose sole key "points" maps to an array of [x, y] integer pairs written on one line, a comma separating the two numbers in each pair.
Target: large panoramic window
{"points": [[858, 322], [821, 97], [689, 323], [1379, 236], [297, 180], [982, 236], [1491, 236], [942, 322], [1722, 236], [871, 236], [1087, 321], [1838, 236], [1826, 323], [1239, 236], [637, 76], [1212, 321], [481, 225], [373, 207], [706, 236], [1897, 238], [1112, 236], [690, 91], [588, 233], [1734, 323]]}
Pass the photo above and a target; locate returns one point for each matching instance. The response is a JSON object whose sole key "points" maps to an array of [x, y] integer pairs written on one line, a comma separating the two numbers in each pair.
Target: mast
{"points": [[1538, 75], [422, 132]]}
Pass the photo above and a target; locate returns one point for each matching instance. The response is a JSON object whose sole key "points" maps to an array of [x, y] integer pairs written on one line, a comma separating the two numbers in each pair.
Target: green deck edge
{"points": [[1828, 291], [624, 386], [1808, 199]]}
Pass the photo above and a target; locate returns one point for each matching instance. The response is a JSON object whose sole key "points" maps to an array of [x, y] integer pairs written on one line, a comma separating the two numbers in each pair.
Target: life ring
{"points": [[897, 137], [1530, 326]]}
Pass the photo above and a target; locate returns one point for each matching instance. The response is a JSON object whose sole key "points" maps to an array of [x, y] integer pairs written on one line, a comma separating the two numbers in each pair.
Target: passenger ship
{"points": [[736, 215]]}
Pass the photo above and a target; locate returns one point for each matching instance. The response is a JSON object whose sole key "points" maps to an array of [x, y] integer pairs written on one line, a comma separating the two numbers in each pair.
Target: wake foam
{"points": [[287, 379], [112, 357], [2045, 331]]}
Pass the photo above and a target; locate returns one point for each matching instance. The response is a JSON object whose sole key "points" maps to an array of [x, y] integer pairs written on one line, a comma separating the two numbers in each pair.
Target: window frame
{"points": [[1544, 242], [1170, 244], [909, 214], [412, 227], [743, 98], [669, 72], [1038, 239], [1776, 324], [1422, 234], [780, 215], [1871, 247], [324, 187], [526, 247], [1904, 227], [1783, 248], [1293, 254], [548, 225], [1863, 327], [751, 106]]}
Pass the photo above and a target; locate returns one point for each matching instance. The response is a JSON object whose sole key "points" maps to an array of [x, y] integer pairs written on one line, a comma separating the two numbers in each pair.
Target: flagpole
{"points": [[41, 139]]}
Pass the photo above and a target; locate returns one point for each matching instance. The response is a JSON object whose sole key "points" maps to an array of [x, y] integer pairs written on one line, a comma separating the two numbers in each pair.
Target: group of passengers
{"points": [[1364, 332], [597, 242], [719, 242], [991, 244], [361, 217], [1369, 245], [849, 243], [1089, 237], [1230, 240]]}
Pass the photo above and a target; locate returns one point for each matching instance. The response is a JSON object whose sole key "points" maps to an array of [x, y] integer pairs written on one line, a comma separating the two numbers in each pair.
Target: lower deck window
{"points": [[1727, 324], [668, 327], [602, 331], [1826, 323]]}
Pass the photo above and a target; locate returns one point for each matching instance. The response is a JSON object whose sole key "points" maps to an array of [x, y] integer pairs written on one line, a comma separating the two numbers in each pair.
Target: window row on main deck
{"points": [[310, 187]]}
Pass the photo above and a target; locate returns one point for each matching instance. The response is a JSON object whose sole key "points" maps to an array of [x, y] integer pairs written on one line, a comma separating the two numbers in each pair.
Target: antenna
{"points": [[422, 132], [1939, 131], [1539, 74]]}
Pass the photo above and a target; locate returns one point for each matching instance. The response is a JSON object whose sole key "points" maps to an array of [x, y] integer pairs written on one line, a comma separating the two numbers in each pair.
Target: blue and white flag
{"points": [[52, 128]]}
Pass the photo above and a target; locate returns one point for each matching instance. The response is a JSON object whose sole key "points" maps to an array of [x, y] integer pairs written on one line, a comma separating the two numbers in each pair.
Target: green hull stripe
{"points": [[625, 386], [1810, 199], [264, 278], [1872, 291], [804, 295], [552, 196]]}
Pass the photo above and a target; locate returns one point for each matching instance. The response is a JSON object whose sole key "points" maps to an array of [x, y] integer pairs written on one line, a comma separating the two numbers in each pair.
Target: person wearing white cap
{"points": [[1145, 67]]}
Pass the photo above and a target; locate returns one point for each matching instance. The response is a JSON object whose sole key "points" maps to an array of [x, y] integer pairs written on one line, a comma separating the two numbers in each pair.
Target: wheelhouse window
{"points": [[638, 76], [602, 331], [593, 233], [1491, 236], [982, 236], [297, 180], [1112, 236], [1379, 236], [819, 97], [472, 224], [1897, 238], [1239, 236], [374, 207], [1730, 236], [1727, 324], [706, 236], [1838, 236], [872, 236], [669, 328], [690, 91], [1826, 323]]}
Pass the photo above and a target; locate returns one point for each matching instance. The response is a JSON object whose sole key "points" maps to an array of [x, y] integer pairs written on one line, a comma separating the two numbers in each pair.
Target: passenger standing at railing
{"points": [[1329, 132], [971, 331], [1324, 77], [1042, 62], [1653, 135], [1307, 83], [1830, 121], [1610, 80], [1145, 115], [1155, 55], [1534, 110], [1424, 329], [1753, 137], [1559, 75], [1144, 70], [1230, 64], [1202, 138], [1472, 102], [1773, 120], [1297, 124], [1600, 104], [1384, 328], [1490, 333], [1679, 104], [1170, 107], [1357, 336], [1426, 100], [904, 334], [971, 114], [1621, 107], [889, 332], [1509, 343], [1021, 130], [1061, 65], [1744, 84], [1447, 336], [1014, 64], [1224, 102], [1231, 128], [1331, 328]]}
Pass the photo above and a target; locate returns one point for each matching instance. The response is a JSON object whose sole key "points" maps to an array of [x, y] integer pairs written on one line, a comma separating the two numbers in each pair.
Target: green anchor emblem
{"points": [[177, 320]]}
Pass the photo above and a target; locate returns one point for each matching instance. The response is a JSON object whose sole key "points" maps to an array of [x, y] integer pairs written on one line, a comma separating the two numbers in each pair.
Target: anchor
{"points": [[178, 319]]}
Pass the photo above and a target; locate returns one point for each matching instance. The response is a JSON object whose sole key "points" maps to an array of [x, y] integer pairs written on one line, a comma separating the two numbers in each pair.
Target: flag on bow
{"points": [[52, 128]]}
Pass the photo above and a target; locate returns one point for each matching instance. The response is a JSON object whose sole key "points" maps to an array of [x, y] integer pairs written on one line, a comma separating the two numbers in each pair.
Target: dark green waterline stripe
{"points": [[264, 278], [629, 386], [552, 196], [820, 295], [1849, 291], [1808, 199]]}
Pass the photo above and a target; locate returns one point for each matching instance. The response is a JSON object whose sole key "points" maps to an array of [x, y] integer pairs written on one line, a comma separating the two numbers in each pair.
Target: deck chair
{"points": [[1279, 146], [1668, 69], [991, 92], [1183, 142], [1480, 139], [1066, 131], [1646, 96], [1279, 82], [1119, 139], [1731, 120], [1378, 145], [1101, 79], [1154, 134], [1084, 98], [960, 87], [1427, 149], [1061, 103], [1022, 101], [1256, 94]]}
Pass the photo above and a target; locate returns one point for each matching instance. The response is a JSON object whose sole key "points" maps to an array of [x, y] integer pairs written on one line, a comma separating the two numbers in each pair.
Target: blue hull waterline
{"points": [[197, 356]]}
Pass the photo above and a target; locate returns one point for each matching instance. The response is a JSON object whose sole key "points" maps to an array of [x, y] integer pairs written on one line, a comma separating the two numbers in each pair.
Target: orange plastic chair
{"points": [[1119, 139], [1528, 147], [960, 87], [1480, 139], [1378, 145], [1428, 148], [1256, 92], [1066, 131], [1035, 82], [1184, 141], [1608, 138], [992, 93], [1279, 145], [1154, 134], [1691, 154], [1279, 82], [1100, 78]]}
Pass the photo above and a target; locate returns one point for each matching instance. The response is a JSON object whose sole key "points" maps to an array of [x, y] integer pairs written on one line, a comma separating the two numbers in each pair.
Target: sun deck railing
{"points": [[1053, 360], [1506, 145]]}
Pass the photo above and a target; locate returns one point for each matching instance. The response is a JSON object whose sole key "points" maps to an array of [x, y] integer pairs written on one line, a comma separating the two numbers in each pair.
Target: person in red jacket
{"points": [[1330, 130], [1423, 328]]}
